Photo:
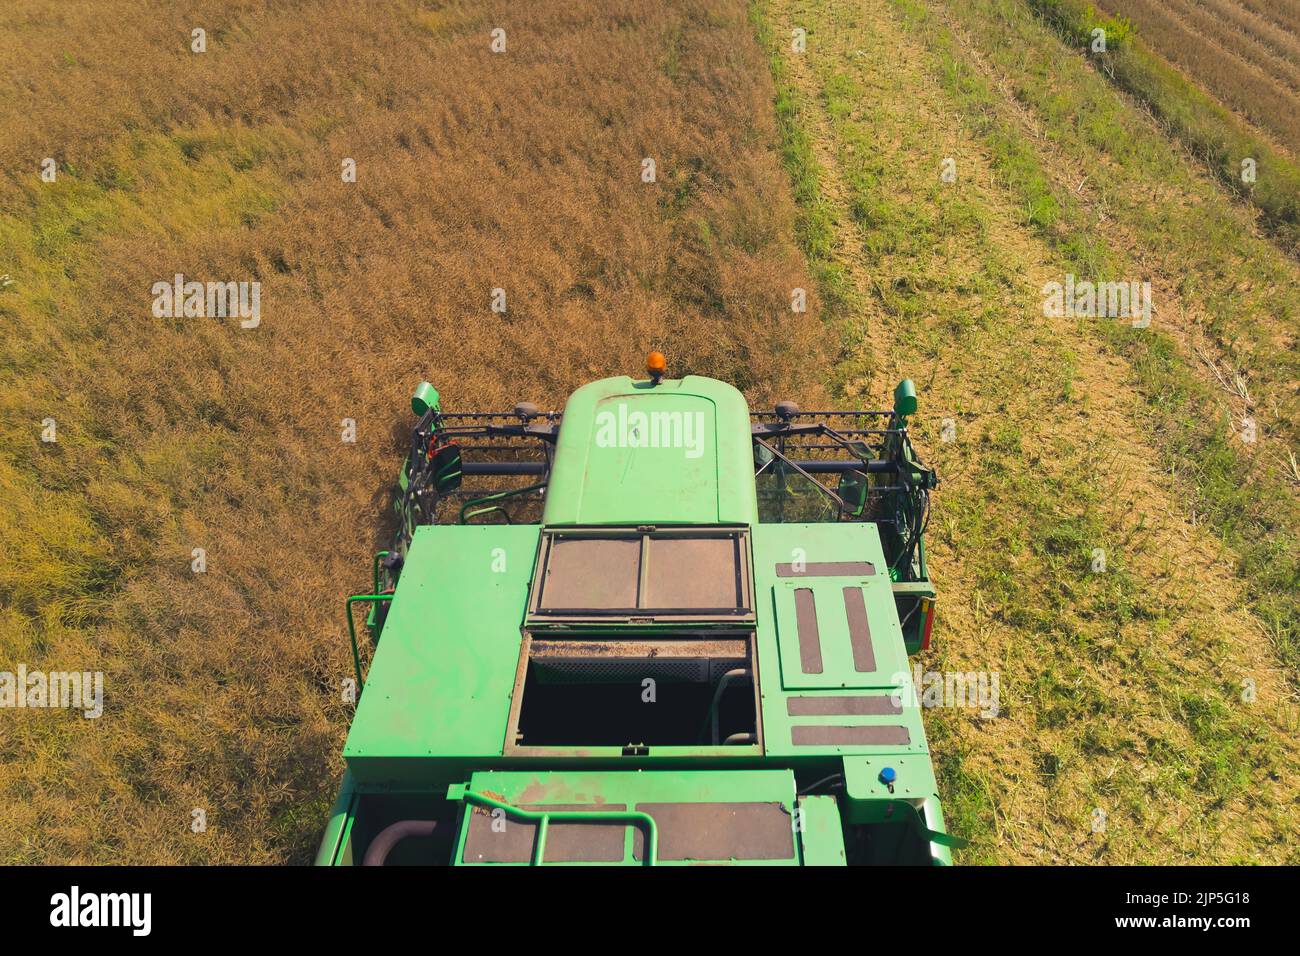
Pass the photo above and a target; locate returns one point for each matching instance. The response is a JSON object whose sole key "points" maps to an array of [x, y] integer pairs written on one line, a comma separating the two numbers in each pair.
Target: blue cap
{"points": [[887, 775]]}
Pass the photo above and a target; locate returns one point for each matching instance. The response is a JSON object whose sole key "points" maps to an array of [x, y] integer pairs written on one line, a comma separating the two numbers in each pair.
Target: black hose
{"points": [[393, 834], [836, 779], [723, 683]]}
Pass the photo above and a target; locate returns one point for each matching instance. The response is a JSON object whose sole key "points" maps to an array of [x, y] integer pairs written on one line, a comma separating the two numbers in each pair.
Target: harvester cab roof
{"points": [[654, 628]]}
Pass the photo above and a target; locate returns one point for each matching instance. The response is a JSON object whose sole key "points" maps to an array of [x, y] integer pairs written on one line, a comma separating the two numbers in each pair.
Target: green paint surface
{"points": [[634, 790], [442, 676], [780, 672], [436, 706], [821, 832], [636, 453]]}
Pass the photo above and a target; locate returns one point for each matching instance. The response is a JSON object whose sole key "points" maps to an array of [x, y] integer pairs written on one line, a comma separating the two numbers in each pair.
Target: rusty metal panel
{"points": [[693, 573], [712, 832], [696, 659], [591, 573], [574, 648], [702, 816], [642, 575], [512, 840]]}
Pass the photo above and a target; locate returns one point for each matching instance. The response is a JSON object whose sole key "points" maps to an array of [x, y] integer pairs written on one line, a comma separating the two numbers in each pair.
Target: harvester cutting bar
{"points": [[530, 449], [542, 432], [815, 466], [845, 434], [502, 467], [549, 416], [489, 449], [840, 414], [838, 467]]}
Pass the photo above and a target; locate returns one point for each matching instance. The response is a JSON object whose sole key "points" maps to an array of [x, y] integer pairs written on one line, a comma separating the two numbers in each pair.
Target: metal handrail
{"points": [[543, 818], [374, 577], [352, 630], [498, 496]]}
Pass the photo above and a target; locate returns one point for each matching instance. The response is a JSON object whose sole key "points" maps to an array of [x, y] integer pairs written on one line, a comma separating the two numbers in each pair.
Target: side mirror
{"points": [[853, 488]]}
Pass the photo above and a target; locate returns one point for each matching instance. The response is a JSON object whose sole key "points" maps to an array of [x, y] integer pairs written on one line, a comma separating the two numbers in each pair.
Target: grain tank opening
{"points": [[635, 693]]}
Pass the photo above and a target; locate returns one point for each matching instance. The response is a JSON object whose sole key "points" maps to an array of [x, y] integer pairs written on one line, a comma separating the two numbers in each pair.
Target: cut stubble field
{"points": [[1125, 735], [521, 171], [1244, 52]]}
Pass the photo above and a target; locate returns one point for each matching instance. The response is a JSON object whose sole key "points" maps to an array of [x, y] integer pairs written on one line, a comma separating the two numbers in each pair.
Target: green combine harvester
{"points": [[654, 629]]}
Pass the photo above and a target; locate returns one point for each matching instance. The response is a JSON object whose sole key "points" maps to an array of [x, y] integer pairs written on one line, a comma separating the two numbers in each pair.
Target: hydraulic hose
{"points": [[393, 834], [723, 683]]}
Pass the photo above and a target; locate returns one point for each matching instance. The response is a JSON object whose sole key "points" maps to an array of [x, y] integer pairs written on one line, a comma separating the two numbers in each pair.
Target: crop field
{"points": [[1116, 534], [1244, 52]]}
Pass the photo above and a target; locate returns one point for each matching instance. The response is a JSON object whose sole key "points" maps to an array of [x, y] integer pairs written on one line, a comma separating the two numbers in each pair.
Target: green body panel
{"points": [[781, 676], [913, 801], [837, 662], [436, 710], [607, 472], [335, 847], [440, 686], [821, 832], [640, 791]]}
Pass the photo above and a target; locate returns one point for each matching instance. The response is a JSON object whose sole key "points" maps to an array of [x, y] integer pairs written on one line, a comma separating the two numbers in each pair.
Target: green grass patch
{"points": [[1211, 132], [1086, 662], [814, 229], [1256, 515]]}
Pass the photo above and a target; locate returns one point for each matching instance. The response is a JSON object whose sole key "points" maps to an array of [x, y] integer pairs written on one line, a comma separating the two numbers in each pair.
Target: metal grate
{"points": [[602, 670]]}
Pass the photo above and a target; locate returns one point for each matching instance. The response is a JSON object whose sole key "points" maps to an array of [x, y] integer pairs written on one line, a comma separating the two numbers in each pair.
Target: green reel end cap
{"points": [[905, 398], [425, 398]]}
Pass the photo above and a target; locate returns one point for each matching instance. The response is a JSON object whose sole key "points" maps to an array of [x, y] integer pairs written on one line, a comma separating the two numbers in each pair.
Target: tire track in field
{"points": [[850, 250]]}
